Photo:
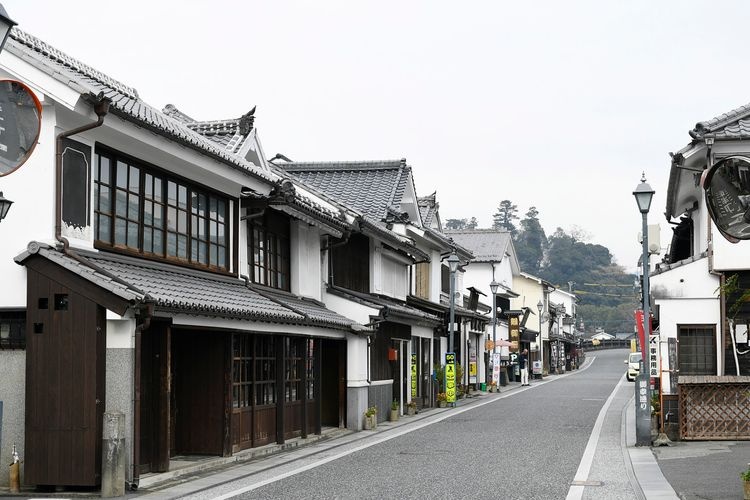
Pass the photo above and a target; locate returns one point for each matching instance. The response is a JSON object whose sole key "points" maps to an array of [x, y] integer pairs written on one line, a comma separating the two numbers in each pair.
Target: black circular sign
{"points": [[20, 124], [727, 187]]}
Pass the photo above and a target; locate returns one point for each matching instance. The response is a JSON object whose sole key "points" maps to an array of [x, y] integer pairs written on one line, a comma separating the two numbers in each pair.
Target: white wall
{"points": [[305, 260], [686, 295]]}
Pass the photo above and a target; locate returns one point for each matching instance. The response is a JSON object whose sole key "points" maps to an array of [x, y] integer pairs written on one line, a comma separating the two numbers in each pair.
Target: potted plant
{"points": [[493, 386], [745, 475], [394, 411], [411, 408], [442, 400], [371, 418]]}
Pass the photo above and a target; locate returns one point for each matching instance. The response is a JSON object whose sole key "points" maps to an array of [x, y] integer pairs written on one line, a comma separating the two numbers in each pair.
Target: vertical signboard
{"points": [[76, 161], [450, 377], [673, 371], [413, 376], [473, 364], [513, 331], [653, 356], [496, 368]]}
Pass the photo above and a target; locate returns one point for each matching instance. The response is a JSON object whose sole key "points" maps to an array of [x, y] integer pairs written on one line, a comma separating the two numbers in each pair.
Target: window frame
{"points": [[15, 320], [269, 250], [218, 246], [684, 344]]}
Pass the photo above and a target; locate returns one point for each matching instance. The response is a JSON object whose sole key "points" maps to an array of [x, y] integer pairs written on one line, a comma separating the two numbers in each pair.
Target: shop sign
{"points": [[653, 356], [727, 188], [472, 365], [413, 376], [513, 330], [496, 368], [450, 377]]}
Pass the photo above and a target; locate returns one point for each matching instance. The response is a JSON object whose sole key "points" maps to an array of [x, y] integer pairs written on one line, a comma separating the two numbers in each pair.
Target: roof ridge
{"points": [[722, 120], [348, 164], [61, 57]]}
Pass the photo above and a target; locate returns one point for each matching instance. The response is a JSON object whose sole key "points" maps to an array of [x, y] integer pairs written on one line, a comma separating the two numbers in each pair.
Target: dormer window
{"points": [[139, 209]]}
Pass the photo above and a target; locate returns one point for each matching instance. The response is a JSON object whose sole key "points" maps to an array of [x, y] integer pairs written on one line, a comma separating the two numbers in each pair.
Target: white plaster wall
{"points": [[305, 260], [436, 277], [356, 361], [686, 295], [730, 256], [31, 217]]}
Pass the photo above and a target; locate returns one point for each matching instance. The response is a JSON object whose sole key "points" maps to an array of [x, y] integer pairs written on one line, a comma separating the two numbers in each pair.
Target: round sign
{"points": [[20, 124], [727, 189]]}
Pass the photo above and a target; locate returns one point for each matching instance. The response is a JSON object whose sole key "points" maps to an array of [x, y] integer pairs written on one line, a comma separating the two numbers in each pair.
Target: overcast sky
{"points": [[555, 104]]}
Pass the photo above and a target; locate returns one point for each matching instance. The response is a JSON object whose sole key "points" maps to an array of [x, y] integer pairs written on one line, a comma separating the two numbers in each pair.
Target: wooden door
{"points": [[242, 391], [155, 398], [65, 355], [199, 367]]}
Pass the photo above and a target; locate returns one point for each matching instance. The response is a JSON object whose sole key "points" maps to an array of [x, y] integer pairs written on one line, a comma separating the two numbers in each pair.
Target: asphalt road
{"points": [[526, 444]]}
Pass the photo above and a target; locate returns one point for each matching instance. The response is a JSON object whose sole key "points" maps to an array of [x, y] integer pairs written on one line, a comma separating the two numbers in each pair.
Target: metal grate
{"points": [[715, 411]]}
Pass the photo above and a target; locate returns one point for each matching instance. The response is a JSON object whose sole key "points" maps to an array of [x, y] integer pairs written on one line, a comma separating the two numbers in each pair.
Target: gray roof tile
{"points": [[487, 245], [178, 289], [125, 100]]}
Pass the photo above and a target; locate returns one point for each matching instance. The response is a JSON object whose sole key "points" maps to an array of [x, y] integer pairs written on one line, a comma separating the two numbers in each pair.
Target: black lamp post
{"points": [[539, 307], [452, 267], [6, 23], [643, 196], [4, 205]]}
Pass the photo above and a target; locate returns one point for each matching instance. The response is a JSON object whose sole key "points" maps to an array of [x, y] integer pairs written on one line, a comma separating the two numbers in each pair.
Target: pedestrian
{"points": [[523, 362]]}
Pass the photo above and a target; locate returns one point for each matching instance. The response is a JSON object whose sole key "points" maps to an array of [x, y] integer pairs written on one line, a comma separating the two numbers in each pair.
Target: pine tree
{"points": [[504, 217]]}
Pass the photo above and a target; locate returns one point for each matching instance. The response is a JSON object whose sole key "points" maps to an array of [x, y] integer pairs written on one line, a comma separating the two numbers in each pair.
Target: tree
{"points": [[455, 224], [472, 223], [504, 217], [531, 242]]}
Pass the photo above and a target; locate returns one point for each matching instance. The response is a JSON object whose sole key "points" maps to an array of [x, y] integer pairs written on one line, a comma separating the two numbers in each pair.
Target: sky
{"points": [[557, 105]]}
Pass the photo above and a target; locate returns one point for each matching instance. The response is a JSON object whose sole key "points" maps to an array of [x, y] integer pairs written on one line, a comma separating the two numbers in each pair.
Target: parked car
{"points": [[634, 365]]}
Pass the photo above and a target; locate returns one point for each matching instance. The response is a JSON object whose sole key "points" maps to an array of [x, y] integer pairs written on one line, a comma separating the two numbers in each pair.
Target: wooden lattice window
{"points": [[268, 244], [242, 371], [265, 370], [294, 353], [697, 349]]}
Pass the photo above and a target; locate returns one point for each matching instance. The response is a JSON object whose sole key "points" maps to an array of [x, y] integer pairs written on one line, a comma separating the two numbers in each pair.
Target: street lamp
{"points": [[6, 23], [643, 196], [4, 203], [452, 267], [539, 307], [493, 288]]}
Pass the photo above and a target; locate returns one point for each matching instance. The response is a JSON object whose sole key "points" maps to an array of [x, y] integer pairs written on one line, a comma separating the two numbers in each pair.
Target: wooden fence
{"points": [[714, 408]]}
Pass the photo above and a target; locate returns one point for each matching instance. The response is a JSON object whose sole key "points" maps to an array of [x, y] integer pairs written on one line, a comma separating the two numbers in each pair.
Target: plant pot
{"points": [[371, 422], [411, 410], [442, 404], [746, 487], [393, 416]]}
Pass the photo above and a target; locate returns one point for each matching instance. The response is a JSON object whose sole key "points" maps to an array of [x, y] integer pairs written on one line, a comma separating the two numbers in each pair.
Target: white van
{"points": [[634, 365]]}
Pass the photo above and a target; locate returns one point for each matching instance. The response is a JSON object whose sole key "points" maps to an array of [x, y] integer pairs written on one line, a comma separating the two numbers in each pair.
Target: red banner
{"points": [[641, 334]]}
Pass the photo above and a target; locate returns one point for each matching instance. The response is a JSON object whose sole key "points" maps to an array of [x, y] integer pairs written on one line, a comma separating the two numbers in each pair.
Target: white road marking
{"points": [[584, 468]]}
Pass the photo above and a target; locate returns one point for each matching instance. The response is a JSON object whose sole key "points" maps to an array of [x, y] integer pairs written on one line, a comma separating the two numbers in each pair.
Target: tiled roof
{"points": [[427, 208], [487, 245], [370, 187], [176, 289], [734, 124], [388, 306], [126, 103], [227, 134]]}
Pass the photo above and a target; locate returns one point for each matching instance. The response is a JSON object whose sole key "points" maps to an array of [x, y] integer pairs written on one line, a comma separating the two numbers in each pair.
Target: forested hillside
{"points": [[606, 293]]}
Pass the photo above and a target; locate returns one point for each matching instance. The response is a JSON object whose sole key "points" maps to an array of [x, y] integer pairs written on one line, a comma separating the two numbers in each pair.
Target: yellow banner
{"points": [[450, 377], [413, 376]]}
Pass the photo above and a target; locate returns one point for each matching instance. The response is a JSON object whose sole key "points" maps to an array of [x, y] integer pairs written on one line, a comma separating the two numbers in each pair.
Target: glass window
{"points": [[269, 249], [265, 370], [697, 350], [142, 210], [12, 329]]}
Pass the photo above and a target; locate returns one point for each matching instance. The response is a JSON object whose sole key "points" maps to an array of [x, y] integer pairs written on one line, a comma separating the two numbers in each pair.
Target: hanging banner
{"points": [[653, 356], [413, 376], [450, 377], [496, 368], [513, 331]]}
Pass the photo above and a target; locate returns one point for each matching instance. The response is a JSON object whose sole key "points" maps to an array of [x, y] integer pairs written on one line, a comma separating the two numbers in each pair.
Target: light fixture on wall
{"points": [[6, 23], [4, 204]]}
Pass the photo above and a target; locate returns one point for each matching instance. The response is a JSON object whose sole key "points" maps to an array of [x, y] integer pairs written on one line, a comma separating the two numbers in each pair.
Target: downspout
{"points": [[144, 324], [101, 108]]}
